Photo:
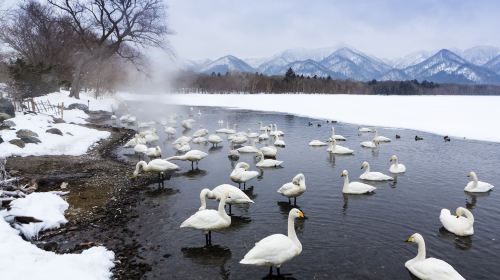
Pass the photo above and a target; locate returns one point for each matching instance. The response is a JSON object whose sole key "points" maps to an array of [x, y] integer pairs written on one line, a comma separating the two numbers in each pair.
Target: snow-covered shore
{"points": [[472, 117]]}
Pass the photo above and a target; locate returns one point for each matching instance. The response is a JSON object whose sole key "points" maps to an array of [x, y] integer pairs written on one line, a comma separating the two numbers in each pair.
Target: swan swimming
{"points": [[249, 149], [276, 249], [209, 220], [200, 133], [192, 156], [336, 136], [337, 149], [458, 224], [236, 196], [267, 162], [199, 140], [264, 136], [278, 142], [373, 176], [170, 131], [355, 187], [264, 128], [380, 138], [141, 149], [317, 143], [429, 268], [154, 152], [187, 124], [396, 167], [241, 174], [477, 186], [295, 188], [364, 129], [370, 144], [182, 147], [269, 151]]}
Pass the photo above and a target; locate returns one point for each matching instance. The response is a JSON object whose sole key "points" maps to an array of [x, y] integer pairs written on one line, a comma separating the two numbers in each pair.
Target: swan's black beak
{"points": [[410, 239], [458, 217]]}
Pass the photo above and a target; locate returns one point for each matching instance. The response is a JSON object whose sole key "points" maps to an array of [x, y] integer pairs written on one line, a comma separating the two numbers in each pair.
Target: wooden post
{"points": [[62, 110]]}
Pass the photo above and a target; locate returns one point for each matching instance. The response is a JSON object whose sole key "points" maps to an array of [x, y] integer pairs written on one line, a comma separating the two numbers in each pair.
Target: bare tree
{"points": [[112, 27]]}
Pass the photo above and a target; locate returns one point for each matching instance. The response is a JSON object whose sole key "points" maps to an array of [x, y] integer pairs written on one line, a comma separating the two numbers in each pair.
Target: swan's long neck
{"points": [[222, 211], [367, 168], [346, 182], [138, 166], [203, 199], [421, 250], [468, 215], [291, 231], [333, 132], [474, 180]]}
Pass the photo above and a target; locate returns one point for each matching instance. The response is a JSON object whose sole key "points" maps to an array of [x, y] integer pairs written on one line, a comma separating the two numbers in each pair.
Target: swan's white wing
{"points": [[375, 176], [459, 226], [434, 269], [359, 188], [205, 220], [235, 194], [288, 189], [274, 249]]}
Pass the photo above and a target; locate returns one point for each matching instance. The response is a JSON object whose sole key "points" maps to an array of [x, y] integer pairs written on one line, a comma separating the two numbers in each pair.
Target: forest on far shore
{"points": [[189, 82]]}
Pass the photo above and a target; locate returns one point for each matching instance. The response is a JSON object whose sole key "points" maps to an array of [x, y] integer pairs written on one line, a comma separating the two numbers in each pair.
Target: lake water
{"points": [[343, 237]]}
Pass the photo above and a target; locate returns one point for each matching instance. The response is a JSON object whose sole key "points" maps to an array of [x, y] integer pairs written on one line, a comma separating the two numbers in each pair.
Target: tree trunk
{"points": [[76, 84]]}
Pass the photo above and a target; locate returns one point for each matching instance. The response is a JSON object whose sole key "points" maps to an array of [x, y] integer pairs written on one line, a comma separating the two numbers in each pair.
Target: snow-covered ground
{"points": [[472, 117], [23, 260], [76, 139]]}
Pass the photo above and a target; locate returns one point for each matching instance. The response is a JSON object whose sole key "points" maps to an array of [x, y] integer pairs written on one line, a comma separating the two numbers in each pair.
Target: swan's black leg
{"points": [[278, 269], [289, 202], [294, 201], [271, 270], [206, 239], [244, 185], [229, 209], [239, 185], [192, 165], [210, 238]]}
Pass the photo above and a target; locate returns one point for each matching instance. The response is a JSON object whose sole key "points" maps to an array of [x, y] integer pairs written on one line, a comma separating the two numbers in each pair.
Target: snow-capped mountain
{"points": [[311, 68], [480, 55], [394, 75], [494, 64], [226, 64], [412, 59], [354, 65], [447, 67]]}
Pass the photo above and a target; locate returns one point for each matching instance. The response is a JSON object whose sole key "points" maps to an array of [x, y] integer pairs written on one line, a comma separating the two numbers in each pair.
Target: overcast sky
{"points": [[385, 28]]}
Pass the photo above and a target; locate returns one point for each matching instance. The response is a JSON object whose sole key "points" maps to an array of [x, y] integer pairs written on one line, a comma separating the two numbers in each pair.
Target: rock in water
{"points": [[18, 142], [79, 106], [26, 133], [54, 131], [6, 108]]}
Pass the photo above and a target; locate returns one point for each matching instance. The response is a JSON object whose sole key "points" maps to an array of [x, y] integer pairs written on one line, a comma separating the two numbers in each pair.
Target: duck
{"points": [[381, 138], [317, 143], [192, 156], [373, 176], [236, 196], [364, 129], [156, 165], [429, 268], [355, 187], [337, 149], [458, 224], [447, 138], [267, 162], [182, 147], [370, 144], [170, 131], [278, 142], [476, 186], [241, 174], [294, 189], [209, 220], [154, 152], [269, 151], [214, 139], [276, 249], [233, 155], [418, 138], [200, 133], [396, 167], [336, 136]]}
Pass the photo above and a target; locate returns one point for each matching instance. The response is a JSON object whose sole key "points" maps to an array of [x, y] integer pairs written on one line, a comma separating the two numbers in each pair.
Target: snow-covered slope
{"points": [[481, 54], [226, 64], [412, 59], [494, 64], [445, 67], [393, 75], [310, 68]]}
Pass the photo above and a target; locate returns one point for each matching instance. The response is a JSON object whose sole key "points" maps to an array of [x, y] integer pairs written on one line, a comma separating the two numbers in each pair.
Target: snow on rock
{"points": [[22, 260], [76, 144], [473, 117], [44, 206]]}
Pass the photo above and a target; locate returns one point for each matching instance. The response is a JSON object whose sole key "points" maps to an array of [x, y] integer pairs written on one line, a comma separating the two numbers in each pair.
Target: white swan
{"points": [[295, 188], [156, 165], [396, 167], [264, 136], [429, 268], [276, 249], [264, 128], [355, 187], [182, 147], [251, 134], [364, 129], [200, 132], [199, 140], [141, 149], [154, 152], [337, 149], [138, 139], [278, 142], [267, 162], [241, 174], [129, 119], [182, 140], [370, 144], [458, 224], [226, 130], [317, 143], [248, 149], [192, 156], [236, 196], [151, 130], [269, 151], [477, 186], [170, 131], [239, 139], [187, 124], [336, 136], [233, 155], [371, 175], [380, 138], [151, 137], [209, 220], [214, 139], [149, 124]]}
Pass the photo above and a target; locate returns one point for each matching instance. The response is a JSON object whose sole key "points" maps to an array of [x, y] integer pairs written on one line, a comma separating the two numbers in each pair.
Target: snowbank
{"points": [[473, 117], [23, 260], [74, 144], [44, 206], [104, 103]]}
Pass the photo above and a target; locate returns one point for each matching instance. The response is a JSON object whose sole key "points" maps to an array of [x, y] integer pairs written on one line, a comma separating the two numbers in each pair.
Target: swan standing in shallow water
{"points": [[355, 187], [396, 167], [182, 147], [209, 220], [170, 131], [458, 224], [364, 129], [140, 149], [241, 174], [371, 175], [193, 156], [236, 196], [156, 165], [214, 139], [269, 151], [200, 132], [276, 249], [429, 268], [263, 136], [477, 186], [337, 149], [154, 152], [380, 138], [267, 162], [294, 188]]}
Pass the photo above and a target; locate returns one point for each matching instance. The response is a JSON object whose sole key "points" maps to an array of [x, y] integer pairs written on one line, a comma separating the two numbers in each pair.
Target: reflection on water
{"points": [[344, 236]]}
